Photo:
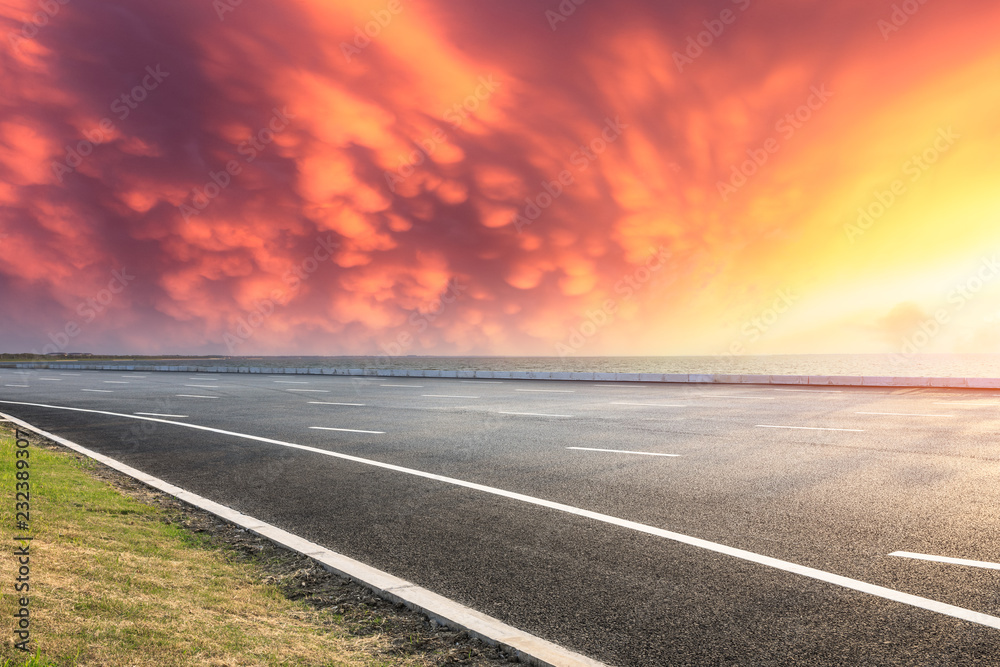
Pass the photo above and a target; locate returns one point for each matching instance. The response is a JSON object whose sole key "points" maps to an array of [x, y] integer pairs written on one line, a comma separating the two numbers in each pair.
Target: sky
{"points": [[509, 177]]}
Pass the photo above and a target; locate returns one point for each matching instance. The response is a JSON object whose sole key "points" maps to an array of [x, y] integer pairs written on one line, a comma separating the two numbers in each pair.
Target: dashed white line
{"points": [[76, 375], [15, 385], [445, 396], [203, 386], [550, 391], [733, 552], [115, 382], [347, 430], [482, 381], [900, 414], [621, 386], [956, 404], [812, 428], [50, 379], [102, 391], [816, 391], [314, 391], [652, 405], [946, 559], [621, 451], [415, 386], [193, 396], [325, 403], [532, 414], [157, 414], [290, 382]]}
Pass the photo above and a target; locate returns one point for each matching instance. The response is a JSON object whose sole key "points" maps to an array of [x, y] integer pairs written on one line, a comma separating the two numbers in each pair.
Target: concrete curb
{"points": [[694, 378], [528, 648]]}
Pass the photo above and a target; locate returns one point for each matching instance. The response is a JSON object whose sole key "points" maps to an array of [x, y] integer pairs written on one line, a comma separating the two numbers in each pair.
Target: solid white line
{"points": [[384, 584], [190, 396], [900, 414], [816, 391], [415, 386], [653, 405], [550, 391], [203, 386], [533, 414], [157, 414], [786, 566], [15, 385], [347, 430], [315, 391], [621, 451], [812, 428], [103, 391], [325, 403], [445, 396], [946, 559]]}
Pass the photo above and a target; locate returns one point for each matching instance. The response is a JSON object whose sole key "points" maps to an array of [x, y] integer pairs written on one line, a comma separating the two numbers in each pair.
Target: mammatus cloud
{"points": [[331, 177]]}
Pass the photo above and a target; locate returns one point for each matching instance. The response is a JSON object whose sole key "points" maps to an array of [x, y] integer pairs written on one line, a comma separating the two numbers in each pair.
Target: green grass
{"points": [[113, 583]]}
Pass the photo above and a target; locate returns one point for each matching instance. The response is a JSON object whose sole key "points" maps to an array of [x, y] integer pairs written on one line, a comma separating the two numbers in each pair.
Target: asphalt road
{"points": [[833, 479]]}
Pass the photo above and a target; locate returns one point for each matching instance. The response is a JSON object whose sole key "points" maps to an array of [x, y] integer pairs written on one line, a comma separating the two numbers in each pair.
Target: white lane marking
{"points": [[115, 382], [816, 391], [812, 428], [157, 414], [325, 403], [76, 375], [964, 405], [15, 385], [621, 386], [482, 381], [194, 396], [653, 405], [621, 451], [50, 379], [742, 554], [445, 396], [314, 391], [415, 386], [290, 382], [103, 391], [346, 430], [900, 414], [532, 414], [203, 386], [422, 599], [550, 391], [946, 559]]}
